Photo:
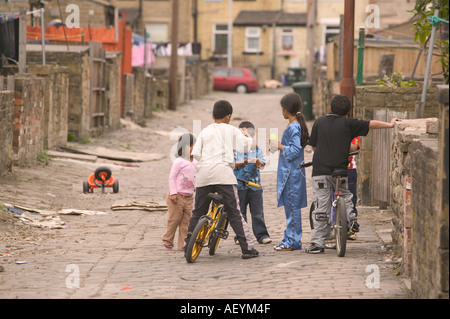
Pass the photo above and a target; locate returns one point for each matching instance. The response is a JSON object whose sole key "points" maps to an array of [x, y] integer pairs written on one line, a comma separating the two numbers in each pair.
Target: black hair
{"points": [[249, 126], [183, 141], [246, 124], [341, 105], [221, 109], [293, 103]]}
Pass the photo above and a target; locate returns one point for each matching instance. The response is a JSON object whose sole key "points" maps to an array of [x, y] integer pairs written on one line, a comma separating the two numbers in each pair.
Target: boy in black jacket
{"points": [[331, 137]]}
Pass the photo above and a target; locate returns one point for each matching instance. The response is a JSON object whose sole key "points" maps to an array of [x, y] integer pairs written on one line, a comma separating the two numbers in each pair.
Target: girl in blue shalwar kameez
{"points": [[291, 184]]}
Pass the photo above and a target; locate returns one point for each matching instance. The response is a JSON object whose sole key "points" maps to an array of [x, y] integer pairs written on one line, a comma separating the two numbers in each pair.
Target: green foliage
{"points": [[396, 80], [43, 157], [423, 10], [71, 137]]}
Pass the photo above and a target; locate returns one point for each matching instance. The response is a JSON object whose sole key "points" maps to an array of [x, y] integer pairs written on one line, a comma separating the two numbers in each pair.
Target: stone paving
{"points": [[120, 255]]}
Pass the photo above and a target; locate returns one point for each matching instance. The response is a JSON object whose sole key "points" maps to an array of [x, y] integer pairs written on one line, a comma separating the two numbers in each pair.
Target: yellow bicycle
{"points": [[210, 228]]}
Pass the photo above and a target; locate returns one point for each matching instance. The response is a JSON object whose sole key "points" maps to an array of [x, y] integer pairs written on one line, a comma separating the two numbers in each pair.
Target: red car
{"points": [[241, 80]]}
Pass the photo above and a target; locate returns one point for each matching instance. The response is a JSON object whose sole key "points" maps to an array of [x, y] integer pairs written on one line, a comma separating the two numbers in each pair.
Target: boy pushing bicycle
{"points": [[330, 138], [214, 150]]}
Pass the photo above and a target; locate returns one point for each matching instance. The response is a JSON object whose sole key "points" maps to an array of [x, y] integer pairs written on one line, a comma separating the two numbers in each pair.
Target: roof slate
{"points": [[259, 18]]}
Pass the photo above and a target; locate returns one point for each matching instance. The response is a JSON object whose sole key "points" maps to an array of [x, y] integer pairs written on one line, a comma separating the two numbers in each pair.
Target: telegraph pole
{"points": [[230, 34], [173, 85], [348, 83], [310, 36]]}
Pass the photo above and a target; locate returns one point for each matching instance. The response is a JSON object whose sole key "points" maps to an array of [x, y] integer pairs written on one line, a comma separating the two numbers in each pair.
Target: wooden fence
{"points": [[381, 156]]}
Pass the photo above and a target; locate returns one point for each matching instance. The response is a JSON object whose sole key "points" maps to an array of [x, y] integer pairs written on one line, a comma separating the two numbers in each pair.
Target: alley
{"points": [[119, 254]]}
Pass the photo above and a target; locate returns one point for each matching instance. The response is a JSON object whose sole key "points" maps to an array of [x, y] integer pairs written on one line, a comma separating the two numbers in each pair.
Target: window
{"points": [[287, 39], [158, 32], [220, 72], [220, 38], [330, 33], [236, 72], [252, 40]]}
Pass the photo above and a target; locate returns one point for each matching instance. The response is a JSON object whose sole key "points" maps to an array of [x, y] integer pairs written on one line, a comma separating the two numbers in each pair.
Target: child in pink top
{"points": [[181, 190]]}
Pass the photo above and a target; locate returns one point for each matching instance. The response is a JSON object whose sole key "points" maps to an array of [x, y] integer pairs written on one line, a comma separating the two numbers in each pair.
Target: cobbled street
{"points": [[120, 254]]}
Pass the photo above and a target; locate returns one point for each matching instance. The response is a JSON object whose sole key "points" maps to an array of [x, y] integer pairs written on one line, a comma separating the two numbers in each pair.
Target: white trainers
{"points": [[266, 240]]}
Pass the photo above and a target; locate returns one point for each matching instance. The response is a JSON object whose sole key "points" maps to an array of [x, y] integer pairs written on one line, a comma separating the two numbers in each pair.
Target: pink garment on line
{"points": [[182, 177]]}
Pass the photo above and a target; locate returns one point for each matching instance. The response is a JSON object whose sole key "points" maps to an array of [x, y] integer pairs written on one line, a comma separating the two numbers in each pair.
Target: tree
{"points": [[423, 10]]}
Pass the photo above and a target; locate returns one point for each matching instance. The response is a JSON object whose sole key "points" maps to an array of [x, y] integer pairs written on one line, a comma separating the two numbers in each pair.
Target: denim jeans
{"points": [[352, 180], [254, 199]]}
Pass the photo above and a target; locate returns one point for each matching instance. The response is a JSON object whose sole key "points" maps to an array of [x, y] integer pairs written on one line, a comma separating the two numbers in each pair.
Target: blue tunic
{"points": [[291, 185], [289, 160]]}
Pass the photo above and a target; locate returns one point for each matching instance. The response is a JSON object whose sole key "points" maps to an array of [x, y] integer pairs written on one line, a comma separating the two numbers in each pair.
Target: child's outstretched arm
{"points": [[374, 124]]}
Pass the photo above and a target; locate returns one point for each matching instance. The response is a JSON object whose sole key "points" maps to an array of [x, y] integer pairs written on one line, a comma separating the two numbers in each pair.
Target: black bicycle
{"points": [[338, 220]]}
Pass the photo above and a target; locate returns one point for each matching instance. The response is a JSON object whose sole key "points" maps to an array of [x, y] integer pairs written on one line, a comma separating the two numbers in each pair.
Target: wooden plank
{"points": [[82, 157], [379, 171], [381, 156]]}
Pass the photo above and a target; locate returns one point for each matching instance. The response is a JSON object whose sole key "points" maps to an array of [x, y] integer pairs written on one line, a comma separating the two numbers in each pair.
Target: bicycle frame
{"points": [[336, 194], [210, 228], [213, 217]]}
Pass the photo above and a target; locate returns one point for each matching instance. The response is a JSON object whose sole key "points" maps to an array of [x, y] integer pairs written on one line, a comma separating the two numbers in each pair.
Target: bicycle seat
{"points": [[339, 172], [216, 197]]}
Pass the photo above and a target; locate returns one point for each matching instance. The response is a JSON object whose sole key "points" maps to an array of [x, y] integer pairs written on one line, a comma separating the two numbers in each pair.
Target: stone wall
{"points": [[6, 131], [367, 100], [414, 162], [29, 119], [442, 209], [143, 94], [322, 91], [113, 83], [56, 100], [419, 186], [77, 61]]}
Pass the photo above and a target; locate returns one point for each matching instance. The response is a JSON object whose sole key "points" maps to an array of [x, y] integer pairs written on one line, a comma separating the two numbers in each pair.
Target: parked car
{"points": [[241, 80]]}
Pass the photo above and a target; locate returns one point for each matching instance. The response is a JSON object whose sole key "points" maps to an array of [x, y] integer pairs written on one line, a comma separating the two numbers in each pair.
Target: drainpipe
{"points": [[347, 83], [359, 76], [195, 18]]}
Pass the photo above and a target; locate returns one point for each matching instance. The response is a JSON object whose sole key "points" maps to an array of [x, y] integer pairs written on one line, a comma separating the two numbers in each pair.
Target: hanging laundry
{"points": [[138, 55]]}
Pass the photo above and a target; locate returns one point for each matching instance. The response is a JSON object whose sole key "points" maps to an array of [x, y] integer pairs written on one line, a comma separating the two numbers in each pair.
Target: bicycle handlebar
{"points": [[307, 164], [247, 183]]}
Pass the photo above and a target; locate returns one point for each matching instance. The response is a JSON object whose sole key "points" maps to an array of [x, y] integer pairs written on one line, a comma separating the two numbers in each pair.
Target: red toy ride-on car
{"points": [[102, 178]]}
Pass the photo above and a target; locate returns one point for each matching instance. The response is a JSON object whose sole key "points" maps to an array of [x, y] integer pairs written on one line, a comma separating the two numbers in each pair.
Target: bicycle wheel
{"points": [[341, 227], [195, 245], [219, 232]]}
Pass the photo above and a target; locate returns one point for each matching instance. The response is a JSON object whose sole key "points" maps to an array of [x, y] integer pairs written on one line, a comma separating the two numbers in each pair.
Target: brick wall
{"points": [[28, 138], [6, 130]]}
